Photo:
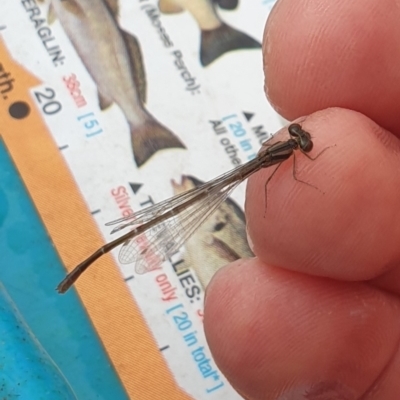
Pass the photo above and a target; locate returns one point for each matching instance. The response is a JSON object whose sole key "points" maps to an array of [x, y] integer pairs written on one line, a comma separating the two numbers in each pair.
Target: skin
{"points": [[316, 314]]}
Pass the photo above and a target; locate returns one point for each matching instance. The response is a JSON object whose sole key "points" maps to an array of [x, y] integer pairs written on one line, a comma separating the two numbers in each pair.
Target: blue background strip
{"points": [[30, 269]]}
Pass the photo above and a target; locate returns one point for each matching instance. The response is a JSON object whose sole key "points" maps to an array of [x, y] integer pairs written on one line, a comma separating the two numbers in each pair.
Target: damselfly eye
{"points": [[306, 145], [295, 130]]}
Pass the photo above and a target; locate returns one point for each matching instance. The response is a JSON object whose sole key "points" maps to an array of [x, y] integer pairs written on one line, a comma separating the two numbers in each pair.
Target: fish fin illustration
{"points": [[151, 137], [221, 40], [113, 7], [169, 7], [72, 6], [185, 185], [104, 101], [136, 58], [182, 266], [227, 4], [51, 15], [224, 251]]}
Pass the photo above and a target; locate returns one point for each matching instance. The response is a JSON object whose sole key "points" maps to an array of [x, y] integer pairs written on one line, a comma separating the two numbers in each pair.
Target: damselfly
{"points": [[158, 231]]}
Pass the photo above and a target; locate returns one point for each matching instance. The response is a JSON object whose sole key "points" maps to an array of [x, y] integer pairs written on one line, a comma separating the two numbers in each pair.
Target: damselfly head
{"points": [[302, 137]]}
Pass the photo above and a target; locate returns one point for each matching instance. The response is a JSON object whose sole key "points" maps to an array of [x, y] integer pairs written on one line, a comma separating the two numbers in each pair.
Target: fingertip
{"points": [[319, 54], [336, 229], [275, 332]]}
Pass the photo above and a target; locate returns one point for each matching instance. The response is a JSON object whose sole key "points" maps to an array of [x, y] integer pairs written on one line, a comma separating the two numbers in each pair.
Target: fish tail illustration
{"points": [[227, 4], [151, 137], [221, 40], [169, 7]]}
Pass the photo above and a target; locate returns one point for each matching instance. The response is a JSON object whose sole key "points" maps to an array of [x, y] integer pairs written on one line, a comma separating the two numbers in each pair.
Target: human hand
{"points": [[316, 314]]}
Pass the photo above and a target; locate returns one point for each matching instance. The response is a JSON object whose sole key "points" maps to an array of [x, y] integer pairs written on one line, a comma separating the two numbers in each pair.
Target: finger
{"points": [[278, 334], [349, 228], [319, 54]]}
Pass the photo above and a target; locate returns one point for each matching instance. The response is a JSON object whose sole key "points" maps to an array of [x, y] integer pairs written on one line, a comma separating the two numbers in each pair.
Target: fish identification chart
{"points": [[108, 107]]}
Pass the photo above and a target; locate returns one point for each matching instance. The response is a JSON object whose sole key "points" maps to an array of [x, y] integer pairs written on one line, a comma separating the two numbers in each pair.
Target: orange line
{"points": [[113, 312]]}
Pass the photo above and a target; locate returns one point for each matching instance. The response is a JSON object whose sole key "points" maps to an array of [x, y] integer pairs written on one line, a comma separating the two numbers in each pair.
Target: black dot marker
{"points": [[19, 110]]}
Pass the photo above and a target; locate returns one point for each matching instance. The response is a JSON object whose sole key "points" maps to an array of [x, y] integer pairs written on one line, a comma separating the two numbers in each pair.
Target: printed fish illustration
{"points": [[113, 59], [227, 4], [217, 38], [220, 240]]}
